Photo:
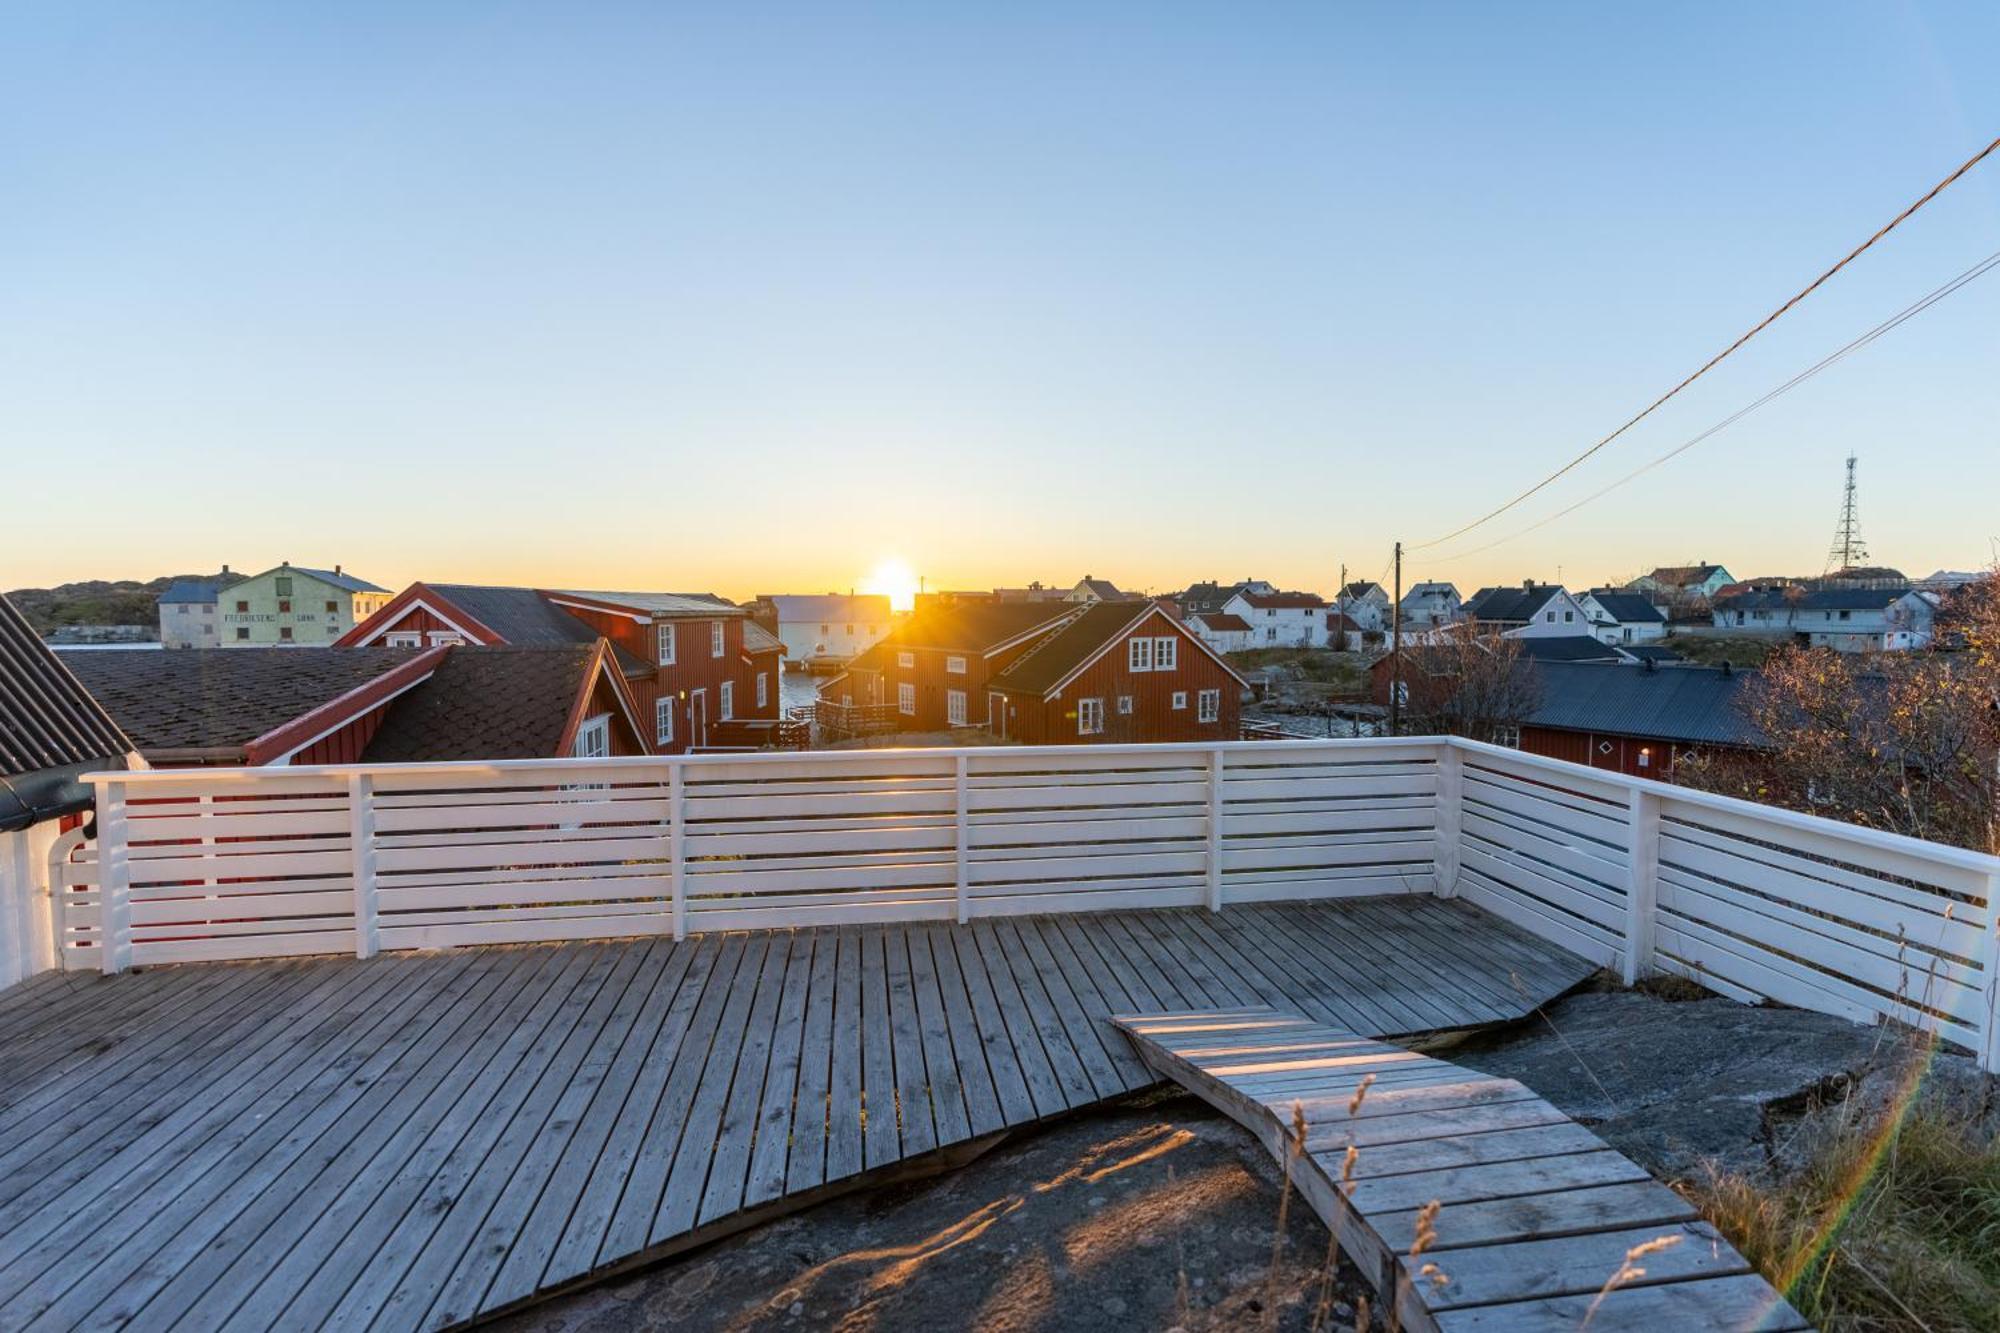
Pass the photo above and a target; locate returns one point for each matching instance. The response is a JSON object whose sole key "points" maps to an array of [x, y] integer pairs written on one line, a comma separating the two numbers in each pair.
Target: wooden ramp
{"points": [[1534, 1214]]}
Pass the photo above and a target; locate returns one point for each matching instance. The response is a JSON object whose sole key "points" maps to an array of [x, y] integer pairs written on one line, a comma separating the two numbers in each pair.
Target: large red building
{"points": [[1048, 673], [702, 675]]}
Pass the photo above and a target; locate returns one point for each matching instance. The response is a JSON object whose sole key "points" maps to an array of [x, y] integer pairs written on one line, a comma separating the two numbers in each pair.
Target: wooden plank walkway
{"points": [[1524, 1215], [418, 1140]]}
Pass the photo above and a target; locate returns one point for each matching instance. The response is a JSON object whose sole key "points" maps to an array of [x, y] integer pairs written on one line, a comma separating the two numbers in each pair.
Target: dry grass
{"points": [[1889, 1227]]}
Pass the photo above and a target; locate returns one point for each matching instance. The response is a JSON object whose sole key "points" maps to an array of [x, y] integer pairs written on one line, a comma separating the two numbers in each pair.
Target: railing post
{"points": [[677, 845], [361, 841], [114, 880], [1989, 963], [1642, 881], [964, 837], [1450, 810], [1215, 829]]}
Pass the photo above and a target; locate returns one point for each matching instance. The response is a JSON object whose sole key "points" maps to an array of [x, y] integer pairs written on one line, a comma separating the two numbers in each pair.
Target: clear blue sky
{"points": [[750, 297]]}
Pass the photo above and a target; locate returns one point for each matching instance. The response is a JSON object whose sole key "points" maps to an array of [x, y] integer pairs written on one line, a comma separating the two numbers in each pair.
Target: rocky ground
{"points": [[1155, 1214], [1160, 1214]]}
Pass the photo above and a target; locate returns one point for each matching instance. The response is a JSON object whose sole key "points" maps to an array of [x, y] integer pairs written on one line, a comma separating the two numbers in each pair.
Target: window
{"points": [[906, 660], [242, 607], [333, 629], [825, 629], [663, 644], [284, 608], [728, 698], [663, 721], [1139, 655], [451, 636], [285, 632], [282, 586], [954, 707], [593, 738], [1166, 654], [1124, 705], [208, 629], [715, 638], [1549, 616], [906, 699], [1180, 698], [1090, 717], [333, 608], [402, 638], [242, 633], [1208, 706], [1271, 634], [850, 631], [182, 608], [955, 665], [763, 689], [1568, 616], [1507, 734]]}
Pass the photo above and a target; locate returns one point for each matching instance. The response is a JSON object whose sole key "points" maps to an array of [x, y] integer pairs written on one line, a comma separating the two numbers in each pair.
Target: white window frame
{"points": [[715, 648], [1208, 706], [444, 636], [663, 721], [954, 707], [954, 666], [1166, 653], [1124, 705], [763, 689], [663, 644], [1090, 717], [1180, 698], [727, 699], [1138, 655], [907, 661], [1507, 734], [906, 699], [403, 638], [593, 738]]}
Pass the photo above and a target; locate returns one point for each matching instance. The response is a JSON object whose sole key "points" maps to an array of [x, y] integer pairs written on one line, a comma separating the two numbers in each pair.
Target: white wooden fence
{"points": [[1754, 902]]}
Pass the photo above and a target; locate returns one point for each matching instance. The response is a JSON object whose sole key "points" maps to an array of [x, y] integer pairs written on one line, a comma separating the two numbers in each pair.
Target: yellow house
{"points": [[294, 605]]}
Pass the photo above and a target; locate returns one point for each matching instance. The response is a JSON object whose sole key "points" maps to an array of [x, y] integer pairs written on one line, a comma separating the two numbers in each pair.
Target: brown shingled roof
{"points": [[500, 702]]}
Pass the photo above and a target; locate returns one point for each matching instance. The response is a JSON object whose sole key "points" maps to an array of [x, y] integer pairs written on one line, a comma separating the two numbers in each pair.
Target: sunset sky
{"points": [[753, 298]]}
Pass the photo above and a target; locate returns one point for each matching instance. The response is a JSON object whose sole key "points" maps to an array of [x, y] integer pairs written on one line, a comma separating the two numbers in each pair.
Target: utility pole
{"points": [[1396, 650]]}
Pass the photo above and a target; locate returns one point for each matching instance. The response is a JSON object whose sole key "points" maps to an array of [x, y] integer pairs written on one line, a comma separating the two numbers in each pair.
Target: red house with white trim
{"points": [[1049, 673], [700, 673]]}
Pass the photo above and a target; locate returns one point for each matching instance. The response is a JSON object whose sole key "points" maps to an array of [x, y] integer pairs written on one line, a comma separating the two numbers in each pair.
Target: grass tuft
{"points": [[1887, 1227]]}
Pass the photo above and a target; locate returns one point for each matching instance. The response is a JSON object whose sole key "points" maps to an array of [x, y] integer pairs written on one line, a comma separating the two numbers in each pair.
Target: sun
{"points": [[894, 578]]}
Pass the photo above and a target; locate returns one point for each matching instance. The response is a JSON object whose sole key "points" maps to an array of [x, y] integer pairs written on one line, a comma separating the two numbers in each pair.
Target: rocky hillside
{"points": [[94, 602]]}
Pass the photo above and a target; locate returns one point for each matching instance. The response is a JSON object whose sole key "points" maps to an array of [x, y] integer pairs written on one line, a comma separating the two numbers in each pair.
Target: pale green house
{"points": [[294, 605]]}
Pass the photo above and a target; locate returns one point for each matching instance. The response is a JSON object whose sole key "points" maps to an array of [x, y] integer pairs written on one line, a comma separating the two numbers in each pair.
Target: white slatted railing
{"points": [[1754, 902]]}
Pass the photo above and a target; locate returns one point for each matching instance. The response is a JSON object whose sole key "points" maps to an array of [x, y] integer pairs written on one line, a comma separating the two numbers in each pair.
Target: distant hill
{"points": [[98, 602]]}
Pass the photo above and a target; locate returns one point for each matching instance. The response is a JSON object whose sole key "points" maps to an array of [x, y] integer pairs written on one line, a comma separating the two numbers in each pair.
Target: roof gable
{"points": [[500, 702]]}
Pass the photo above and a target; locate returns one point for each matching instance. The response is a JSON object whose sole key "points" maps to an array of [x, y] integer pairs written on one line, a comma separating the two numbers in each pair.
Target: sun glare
{"points": [[896, 579]]}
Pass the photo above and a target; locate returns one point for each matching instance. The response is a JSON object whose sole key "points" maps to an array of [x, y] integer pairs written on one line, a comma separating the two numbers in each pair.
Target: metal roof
{"points": [[51, 729], [1567, 648], [658, 603], [1695, 705], [336, 577], [828, 606], [192, 592], [1811, 599], [1627, 608], [1510, 603]]}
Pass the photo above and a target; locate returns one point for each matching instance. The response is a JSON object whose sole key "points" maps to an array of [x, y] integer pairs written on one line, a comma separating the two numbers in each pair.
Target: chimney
{"points": [[225, 569], [336, 569], [1527, 585]]}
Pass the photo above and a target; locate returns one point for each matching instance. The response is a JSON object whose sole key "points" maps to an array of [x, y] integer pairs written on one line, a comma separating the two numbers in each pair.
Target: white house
{"points": [[187, 611], [1622, 617], [826, 631], [1848, 620], [1676, 584], [1221, 631], [1531, 609], [1366, 604], [1428, 605], [1089, 589], [1281, 619]]}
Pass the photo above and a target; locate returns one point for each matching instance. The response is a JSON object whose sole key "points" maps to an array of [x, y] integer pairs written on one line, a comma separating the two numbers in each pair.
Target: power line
{"points": [[1715, 360], [1908, 312]]}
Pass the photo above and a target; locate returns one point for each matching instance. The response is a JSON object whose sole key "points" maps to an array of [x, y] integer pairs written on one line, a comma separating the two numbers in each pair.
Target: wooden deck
{"points": [[1475, 1205], [420, 1139]]}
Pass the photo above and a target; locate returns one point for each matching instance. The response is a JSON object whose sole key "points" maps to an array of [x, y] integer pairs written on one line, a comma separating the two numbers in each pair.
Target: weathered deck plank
{"points": [[1374, 1138], [415, 1140]]}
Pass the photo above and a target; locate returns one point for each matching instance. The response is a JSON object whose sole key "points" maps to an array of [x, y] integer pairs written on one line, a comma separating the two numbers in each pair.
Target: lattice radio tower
{"points": [[1848, 549]]}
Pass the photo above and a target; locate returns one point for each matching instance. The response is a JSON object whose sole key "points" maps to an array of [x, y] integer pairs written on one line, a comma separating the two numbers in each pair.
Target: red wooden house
{"points": [[700, 674], [1048, 673]]}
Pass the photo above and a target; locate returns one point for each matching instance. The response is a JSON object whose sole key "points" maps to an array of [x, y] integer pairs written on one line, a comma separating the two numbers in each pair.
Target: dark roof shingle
{"points": [[1041, 667], [501, 702], [214, 698]]}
